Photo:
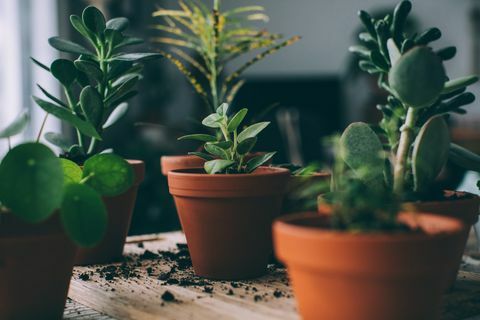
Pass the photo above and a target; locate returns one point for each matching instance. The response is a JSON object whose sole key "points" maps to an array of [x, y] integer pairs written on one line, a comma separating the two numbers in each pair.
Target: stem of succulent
{"points": [[71, 106], [406, 138], [42, 127]]}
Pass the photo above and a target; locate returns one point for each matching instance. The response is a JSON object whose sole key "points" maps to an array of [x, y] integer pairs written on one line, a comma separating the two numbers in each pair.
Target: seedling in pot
{"points": [[227, 155], [97, 83]]}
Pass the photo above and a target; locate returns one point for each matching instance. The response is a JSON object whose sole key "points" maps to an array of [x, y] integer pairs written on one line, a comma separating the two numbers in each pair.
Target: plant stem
{"points": [[9, 143], [406, 137], [71, 105], [42, 127]]}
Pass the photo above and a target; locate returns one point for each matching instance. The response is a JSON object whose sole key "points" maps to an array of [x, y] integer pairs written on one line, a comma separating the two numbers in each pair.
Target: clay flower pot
{"points": [[339, 275], [227, 219], [36, 263], [119, 209]]}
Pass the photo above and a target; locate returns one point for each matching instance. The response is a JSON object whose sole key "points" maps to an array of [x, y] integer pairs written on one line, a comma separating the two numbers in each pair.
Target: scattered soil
{"points": [[168, 296]]}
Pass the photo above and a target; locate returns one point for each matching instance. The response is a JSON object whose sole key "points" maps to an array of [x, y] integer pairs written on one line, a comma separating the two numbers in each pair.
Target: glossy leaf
{"points": [[94, 20], [256, 162], [212, 121], [90, 68], [92, 105], [246, 145], [199, 137], [77, 23], [72, 173], [252, 131], [223, 109], [237, 120], [215, 150], [52, 97], [202, 155], [119, 24], [17, 126], [123, 90], [65, 72], [116, 115], [217, 166], [129, 41], [464, 158], [133, 57], [68, 46], [456, 84], [109, 174]]}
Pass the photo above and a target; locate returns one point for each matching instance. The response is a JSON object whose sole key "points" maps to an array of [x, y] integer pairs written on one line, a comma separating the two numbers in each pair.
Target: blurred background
{"points": [[309, 90]]}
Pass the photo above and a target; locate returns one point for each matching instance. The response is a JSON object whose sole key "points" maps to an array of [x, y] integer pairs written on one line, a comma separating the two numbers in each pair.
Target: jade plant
{"points": [[413, 136], [97, 82], [35, 185], [229, 154], [202, 42]]}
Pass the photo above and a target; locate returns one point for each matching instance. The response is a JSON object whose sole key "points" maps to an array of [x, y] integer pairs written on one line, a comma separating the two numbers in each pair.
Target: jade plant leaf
{"points": [[464, 158], [456, 84], [109, 174], [65, 72], [418, 77], [83, 215], [94, 20], [72, 172], [256, 162], [17, 126], [116, 115], [90, 68], [119, 24], [32, 182], [430, 152], [77, 23], [92, 105], [68, 46], [217, 165], [133, 57]]}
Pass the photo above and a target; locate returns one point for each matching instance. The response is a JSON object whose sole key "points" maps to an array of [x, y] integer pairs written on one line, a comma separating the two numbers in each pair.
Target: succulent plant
{"points": [[201, 42], [96, 84], [420, 98], [228, 154]]}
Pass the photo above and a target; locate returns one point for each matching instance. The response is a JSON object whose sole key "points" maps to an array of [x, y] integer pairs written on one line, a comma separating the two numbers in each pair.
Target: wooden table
{"points": [[144, 286]]}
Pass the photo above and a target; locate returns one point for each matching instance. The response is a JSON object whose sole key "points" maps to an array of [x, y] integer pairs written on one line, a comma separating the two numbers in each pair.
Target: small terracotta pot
{"points": [[36, 263], [464, 207], [227, 219], [119, 209], [339, 275]]}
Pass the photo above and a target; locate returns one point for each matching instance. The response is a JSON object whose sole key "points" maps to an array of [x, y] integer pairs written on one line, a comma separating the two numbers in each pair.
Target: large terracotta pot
{"points": [[119, 209], [36, 263], [227, 219], [339, 275]]}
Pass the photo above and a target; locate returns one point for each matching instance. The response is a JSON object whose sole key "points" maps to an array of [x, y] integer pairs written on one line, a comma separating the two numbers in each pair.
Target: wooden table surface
{"points": [[156, 281]]}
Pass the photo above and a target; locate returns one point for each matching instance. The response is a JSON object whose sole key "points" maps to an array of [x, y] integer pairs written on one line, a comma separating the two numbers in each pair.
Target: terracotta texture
{"points": [[338, 275], [119, 209], [36, 263], [227, 219]]}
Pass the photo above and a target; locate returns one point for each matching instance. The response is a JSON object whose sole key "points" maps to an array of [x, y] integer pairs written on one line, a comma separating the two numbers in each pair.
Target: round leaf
{"points": [[72, 172], [31, 182], [94, 20], [68, 46], [65, 72], [119, 24], [83, 215], [91, 68], [109, 174], [92, 105]]}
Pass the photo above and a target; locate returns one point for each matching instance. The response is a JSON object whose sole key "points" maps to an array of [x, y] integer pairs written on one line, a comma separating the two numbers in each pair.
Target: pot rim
{"points": [[265, 171], [286, 225], [469, 197]]}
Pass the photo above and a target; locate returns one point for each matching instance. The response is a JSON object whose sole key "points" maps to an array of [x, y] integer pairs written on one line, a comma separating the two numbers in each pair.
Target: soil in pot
{"points": [[119, 209], [36, 263], [227, 219], [338, 275]]}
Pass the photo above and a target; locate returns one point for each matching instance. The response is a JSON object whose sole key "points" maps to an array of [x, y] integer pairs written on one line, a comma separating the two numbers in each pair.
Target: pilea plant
{"points": [[96, 83], [228, 154], [202, 42], [420, 99], [35, 184]]}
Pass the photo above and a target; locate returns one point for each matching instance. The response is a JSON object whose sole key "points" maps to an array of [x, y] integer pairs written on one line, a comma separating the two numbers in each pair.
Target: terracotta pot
{"points": [[119, 209], [339, 275], [464, 207], [169, 163], [227, 219], [36, 263]]}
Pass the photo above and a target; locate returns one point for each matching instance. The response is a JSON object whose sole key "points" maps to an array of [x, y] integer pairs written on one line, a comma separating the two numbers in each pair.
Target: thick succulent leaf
{"points": [[129, 41], [133, 57], [212, 121], [418, 77], [94, 20], [428, 36], [116, 115], [32, 182], [252, 131], [447, 53], [246, 145], [17, 126], [217, 166], [72, 173], [199, 137], [125, 78], [92, 105], [64, 114], [237, 120], [430, 152], [256, 162], [400, 15], [58, 140], [459, 83], [464, 158], [393, 51], [202, 155], [90, 68], [65, 72], [68, 46], [114, 37], [109, 174], [83, 215], [118, 24], [77, 23]]}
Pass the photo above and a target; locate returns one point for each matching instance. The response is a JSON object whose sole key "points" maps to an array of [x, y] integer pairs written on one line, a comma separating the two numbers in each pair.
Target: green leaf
{"points": [[246, 145], [114, 37], [125, 78], [252, 131], [237, 120], [225, 145], [83, 215], [223, 109], [72, 173], [58, 140], [459, 83], [123, 90], [52, 97], [129, 41], [66, 115], [109, 174], [202, 155], [92, 105], [464, 158], [65, 72], [256, 162], [68, 46], [90, 68], [136, 57], [17, 126], [118, 24], [199, 137], [215, 150], [212, 121], [116, 115], [32, 182], [77, 23], [41, 65], [94, 20], [428, 36], [217, 166]]}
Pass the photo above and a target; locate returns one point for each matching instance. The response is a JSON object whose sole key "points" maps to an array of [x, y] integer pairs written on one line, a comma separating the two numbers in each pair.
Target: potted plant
{"points": [[97, 83], [413, 132], [226, 208], [202, 43], [365, 260], [47, 207]]}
